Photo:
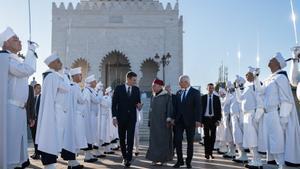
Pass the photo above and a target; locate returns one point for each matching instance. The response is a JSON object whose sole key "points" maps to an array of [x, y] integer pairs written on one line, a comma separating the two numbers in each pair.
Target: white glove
{"points": [[284, 121], [258, 114], [32, 46]]}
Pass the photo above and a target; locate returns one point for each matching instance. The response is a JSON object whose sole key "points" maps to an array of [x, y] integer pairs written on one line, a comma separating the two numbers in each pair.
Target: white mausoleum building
{"points": [[110, 37]]}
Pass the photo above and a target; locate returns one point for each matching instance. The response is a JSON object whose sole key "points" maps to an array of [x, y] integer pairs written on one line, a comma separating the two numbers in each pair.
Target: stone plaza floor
{"points": [[114, 161]]}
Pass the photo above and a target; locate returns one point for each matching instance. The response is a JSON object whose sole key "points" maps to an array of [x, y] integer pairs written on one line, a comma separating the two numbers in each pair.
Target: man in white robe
{"points": [[236, 115], [52, 112], [220, 144], [92, 110], [139, 122], [281, 125], [107, 126], [15, 93], [226, 121], [73, 98], [252, 110]]}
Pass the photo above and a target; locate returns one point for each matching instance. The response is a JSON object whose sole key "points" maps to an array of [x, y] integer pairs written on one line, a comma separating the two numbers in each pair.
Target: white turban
{"points": [[229, 85], [75, 71], [240, 80], [280, 59], [5, 35], [90, 79], [51, 58]]}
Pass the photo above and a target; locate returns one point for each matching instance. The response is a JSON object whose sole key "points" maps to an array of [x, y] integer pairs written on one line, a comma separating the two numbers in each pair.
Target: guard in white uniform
{"points": [[16, 72], [236, 115], [49, 136], [281, 125], [226, 121], [252, 110], [92, 110]]}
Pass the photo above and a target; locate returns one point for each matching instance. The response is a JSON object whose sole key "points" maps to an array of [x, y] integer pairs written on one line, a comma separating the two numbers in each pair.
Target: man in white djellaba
{"points": [[226, 121], [280, 123], [74, 97], [252, 109], [220, 143], [14, 93], [236, 119], [49, 136], [92, 111]]}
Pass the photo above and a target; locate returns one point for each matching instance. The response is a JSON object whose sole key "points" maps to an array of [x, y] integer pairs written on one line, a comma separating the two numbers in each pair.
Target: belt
{"points": [[272, 109], [17, 103]]}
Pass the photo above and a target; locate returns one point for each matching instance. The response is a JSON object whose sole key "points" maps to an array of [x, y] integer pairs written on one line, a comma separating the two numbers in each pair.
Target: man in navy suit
{"points": [[126, 100], [187, 115], [211, 117]]}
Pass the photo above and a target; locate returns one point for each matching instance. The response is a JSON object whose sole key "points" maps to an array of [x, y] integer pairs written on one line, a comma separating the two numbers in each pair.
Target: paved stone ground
{"points": [[114, 161]]}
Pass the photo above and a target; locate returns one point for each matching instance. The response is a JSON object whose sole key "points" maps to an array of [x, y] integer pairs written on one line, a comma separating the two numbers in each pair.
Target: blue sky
{"points": [[214, 30]]}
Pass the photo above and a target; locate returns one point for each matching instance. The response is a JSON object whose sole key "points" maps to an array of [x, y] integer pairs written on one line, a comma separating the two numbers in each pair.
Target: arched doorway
{"points": [[113, 68], [83, 63], [149, 69]]}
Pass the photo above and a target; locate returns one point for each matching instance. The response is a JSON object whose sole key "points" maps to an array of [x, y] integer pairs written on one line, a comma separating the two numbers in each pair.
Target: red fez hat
{"points": [[159, 82]]}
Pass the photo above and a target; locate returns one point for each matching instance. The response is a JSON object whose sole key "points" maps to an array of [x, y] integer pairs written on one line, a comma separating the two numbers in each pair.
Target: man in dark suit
{"points": [[187, 117], [126, 100], [37, 98], [211, 117]]}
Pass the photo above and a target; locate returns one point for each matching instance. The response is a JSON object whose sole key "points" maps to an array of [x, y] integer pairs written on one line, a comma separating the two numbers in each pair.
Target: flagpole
{"points": [[257, 50], [29, 17], [294, 21]]}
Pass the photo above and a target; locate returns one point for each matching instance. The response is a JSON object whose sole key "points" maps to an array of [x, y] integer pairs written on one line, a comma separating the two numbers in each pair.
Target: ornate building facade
{"points": [[110, 37]]}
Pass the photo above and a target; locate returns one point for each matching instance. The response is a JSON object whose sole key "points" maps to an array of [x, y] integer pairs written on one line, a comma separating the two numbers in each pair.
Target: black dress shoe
{"points": [[272, 162], [76, 167], [110, 152], [178, 164], [253, 167], [92, 160], [136, 154], [188, 165], [128, 164], [207, 157], [212, 157], [227, 156], [35, 156], [101, 156]]}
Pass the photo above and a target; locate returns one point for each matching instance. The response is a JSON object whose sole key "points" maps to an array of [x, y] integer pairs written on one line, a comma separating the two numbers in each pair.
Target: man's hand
{"points": [[217, 123], [139, 106], [198, 124], [31, 123], [115, 122]]}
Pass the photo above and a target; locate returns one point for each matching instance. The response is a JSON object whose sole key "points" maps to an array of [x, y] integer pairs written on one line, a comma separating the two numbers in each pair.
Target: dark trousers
{"points": [[126, 133], [179, 128], [48, 159], [33, 134], [209, 135], [67, 155]]}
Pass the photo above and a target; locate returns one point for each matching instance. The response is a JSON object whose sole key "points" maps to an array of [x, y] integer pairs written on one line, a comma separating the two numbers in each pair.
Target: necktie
{"points": [[129, 91], [209, 106], [183, 96]]}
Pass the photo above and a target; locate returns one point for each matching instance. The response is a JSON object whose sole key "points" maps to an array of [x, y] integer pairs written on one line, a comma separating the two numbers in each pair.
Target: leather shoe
{"points": [[35, 156], [212, 157], [92, 160], [127, 164], [207, 157], [188, 165], [178, 164], [76, 167]]}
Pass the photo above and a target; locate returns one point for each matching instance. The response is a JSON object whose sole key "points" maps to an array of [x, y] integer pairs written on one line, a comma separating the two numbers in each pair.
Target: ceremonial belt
{"points": [[272, 109], [17, 103]]}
